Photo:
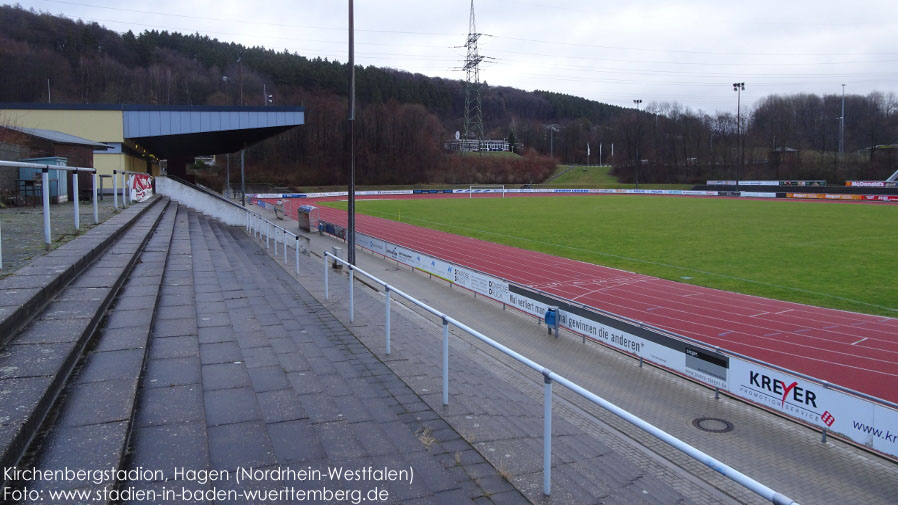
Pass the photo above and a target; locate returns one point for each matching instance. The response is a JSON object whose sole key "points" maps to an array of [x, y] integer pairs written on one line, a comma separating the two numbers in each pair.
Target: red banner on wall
{"points": [[141, 186], [882, 198]]}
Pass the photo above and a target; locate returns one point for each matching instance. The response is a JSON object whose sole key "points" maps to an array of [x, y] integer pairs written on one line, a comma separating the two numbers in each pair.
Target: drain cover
{"points": [[712, 424]]}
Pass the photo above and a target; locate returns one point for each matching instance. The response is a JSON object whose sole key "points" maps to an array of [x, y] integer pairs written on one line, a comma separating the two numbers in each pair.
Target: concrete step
{"points": [[30, 288], [36, 362], [96, 411]]}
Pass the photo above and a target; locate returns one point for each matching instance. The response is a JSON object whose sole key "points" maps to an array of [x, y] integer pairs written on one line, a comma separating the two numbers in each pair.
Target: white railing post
{"points": [[297, 255], [285, 247], [547, 432], [387, 316], [75, 205], [351, 295], [325, 277], [1, 246], [45, 190], [115, 189], [96, 179], [445, 361], [124, 192], [267, 235]]}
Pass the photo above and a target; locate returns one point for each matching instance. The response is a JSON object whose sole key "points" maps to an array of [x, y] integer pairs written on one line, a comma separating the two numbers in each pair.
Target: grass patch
{"points": [[579, 176], [833, 255], [595, 176]]}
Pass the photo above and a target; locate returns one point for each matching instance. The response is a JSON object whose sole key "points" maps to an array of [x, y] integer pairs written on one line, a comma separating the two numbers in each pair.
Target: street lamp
{"points": [[552, 129], [240, 62], [739, 87], [637, 102], [266, 98]]}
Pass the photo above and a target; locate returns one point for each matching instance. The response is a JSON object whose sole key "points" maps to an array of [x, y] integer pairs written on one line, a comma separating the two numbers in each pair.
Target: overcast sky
{"points": [[658, 51]]}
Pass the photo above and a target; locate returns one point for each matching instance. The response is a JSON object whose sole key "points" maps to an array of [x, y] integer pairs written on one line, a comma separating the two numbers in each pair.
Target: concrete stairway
{"points": [[53, 310]]}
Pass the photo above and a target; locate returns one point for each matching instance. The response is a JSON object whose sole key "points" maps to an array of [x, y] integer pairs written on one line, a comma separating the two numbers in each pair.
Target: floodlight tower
{"points": [[637, 102], [473, 109], [739, 87]]}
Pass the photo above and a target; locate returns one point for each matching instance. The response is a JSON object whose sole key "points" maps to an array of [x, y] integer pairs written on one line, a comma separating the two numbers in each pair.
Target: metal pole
{"points": [[124, 185], [267, 235], [115, 189], [351, 244], [228, 178], [637, 102], [387, 318], [94, 195], [325, 277], [1, 251], [842, 125], [45, 190], [285, 247], [741, 143], [351, 295], [75, 203], [297, 255], [547, 432], [738, 87], [242, 176], [445, 361]]}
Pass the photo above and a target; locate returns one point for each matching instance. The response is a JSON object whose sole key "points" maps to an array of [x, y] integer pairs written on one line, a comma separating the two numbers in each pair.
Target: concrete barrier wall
{"points": [[217, 207]]}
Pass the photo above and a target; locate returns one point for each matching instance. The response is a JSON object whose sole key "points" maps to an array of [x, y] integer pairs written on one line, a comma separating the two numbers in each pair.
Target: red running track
{"points": [[857, 351]]}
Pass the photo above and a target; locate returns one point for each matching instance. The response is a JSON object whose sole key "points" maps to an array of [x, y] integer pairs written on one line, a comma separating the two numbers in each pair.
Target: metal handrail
{"points": [[254, 225], [45, 192], [25, 164], [549, 377], [126, 195]]}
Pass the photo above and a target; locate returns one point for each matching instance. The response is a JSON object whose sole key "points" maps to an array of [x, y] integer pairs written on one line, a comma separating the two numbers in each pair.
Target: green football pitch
{"points": [[836, 255]]}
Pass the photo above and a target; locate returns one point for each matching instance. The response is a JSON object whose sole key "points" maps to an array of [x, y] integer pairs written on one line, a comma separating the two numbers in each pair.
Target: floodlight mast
{"points": [[738, 87], [637, 102]]}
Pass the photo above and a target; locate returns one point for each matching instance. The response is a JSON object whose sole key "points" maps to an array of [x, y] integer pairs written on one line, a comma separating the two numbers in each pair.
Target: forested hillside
{"points": [[403, 119]]}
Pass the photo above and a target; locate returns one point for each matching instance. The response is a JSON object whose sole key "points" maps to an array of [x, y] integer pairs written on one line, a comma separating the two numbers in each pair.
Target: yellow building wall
{"points": [[97, 125], [106, 163]]}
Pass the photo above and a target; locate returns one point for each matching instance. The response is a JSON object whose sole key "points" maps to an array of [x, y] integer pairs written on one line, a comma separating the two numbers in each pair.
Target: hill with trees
{"points": [[403, 119]]}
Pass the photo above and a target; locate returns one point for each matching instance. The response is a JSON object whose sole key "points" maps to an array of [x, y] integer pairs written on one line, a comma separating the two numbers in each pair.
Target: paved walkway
{"points": [[247, 369], [23, 230], [778, 452]]}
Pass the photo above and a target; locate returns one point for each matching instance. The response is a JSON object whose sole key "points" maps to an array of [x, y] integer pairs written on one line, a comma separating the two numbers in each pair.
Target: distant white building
{"points": [[474, 145]]}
